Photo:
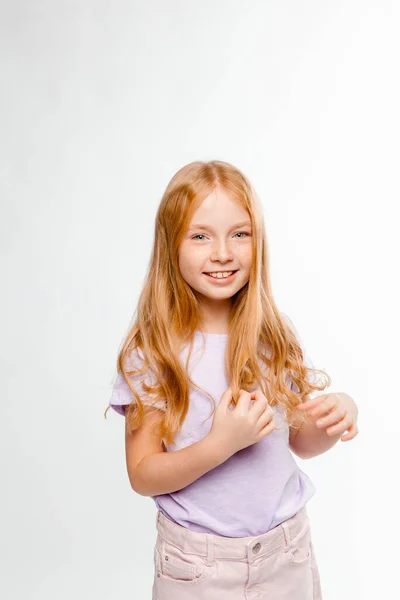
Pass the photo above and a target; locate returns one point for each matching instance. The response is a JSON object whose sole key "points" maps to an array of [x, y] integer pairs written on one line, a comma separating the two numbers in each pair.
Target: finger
{"points": [[267, 429], [260, 403], [340, 427], [353, 431], [266, 417], [226, 398], [325, 406], [245, 399], [311, 402], [336, 415]]}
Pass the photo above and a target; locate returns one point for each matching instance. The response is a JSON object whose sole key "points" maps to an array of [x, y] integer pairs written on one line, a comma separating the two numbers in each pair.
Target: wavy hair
{"points": [[262, 346]]}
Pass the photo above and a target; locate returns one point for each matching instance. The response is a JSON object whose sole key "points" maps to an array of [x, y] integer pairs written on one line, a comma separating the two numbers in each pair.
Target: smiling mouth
{"points": [[216, 276]]}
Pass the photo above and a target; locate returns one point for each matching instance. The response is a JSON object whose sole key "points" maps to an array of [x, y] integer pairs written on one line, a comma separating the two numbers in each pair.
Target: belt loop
{"points": [[286, 534], [210, 549]]}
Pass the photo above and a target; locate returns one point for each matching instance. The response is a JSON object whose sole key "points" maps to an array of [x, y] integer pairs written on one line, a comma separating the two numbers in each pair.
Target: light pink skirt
{"points": [[277, 565]]}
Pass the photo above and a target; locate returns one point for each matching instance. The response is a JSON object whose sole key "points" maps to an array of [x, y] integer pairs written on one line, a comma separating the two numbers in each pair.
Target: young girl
{"points": [[215, 387]]}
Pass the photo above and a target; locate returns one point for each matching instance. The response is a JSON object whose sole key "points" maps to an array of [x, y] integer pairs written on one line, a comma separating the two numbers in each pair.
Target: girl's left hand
{"points": [[340, 410]]}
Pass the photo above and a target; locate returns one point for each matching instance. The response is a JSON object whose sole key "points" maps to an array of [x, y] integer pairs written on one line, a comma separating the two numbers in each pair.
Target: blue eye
{"points": [[239, 232]]}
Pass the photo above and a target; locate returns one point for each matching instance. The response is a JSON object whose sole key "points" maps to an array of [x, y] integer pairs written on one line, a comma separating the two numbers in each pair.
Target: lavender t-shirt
{"points": [[255, 489]]}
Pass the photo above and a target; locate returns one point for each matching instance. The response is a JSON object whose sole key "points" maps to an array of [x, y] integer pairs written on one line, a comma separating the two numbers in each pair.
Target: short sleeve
{"points": [[121, 395]]}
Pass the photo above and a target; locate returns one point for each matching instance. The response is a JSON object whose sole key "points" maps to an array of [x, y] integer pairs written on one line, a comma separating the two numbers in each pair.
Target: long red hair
{"points": [[262, 346]]}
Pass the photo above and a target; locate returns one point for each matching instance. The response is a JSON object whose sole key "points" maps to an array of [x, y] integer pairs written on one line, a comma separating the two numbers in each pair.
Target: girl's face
{"points": [[218, 239]]}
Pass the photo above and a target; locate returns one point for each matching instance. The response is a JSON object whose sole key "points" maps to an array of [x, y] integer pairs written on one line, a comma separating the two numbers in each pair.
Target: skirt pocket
{"points": [[300, 549], [178, 566]]}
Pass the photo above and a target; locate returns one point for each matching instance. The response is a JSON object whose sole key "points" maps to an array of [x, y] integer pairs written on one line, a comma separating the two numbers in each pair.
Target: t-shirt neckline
{"points": [[215, 337]]}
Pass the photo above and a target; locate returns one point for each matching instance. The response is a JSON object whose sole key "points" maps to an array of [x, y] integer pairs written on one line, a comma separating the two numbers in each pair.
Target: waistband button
{"points": [[256, 548]]}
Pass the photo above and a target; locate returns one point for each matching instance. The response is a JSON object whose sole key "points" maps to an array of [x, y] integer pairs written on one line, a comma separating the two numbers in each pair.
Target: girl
{"points": [[231, 500]]}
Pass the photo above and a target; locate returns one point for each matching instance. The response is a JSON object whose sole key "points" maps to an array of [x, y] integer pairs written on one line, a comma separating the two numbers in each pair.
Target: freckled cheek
{"points": [[191, 263], [245, 258]]}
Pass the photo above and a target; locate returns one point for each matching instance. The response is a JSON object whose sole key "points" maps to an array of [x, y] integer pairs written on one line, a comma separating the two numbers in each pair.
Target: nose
{"points": [[221, 252]]}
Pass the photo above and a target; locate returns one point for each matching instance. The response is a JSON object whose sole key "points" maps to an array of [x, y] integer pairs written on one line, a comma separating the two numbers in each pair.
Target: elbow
{"points": [[137, 484], [304, 455], [297, 452], [142, 485], [140, 491], [136, 488], [301, 453]]}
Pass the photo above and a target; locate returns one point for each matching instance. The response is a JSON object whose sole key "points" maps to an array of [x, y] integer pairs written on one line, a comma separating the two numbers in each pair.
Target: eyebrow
{"points": [[203, 226]]}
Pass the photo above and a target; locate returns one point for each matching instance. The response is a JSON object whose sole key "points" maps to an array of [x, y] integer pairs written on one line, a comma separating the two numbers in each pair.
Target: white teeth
{"points": [[221, 275]]}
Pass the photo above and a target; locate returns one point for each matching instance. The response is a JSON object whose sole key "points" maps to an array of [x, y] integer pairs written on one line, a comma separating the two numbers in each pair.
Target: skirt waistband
{"points": [[216, 546]]}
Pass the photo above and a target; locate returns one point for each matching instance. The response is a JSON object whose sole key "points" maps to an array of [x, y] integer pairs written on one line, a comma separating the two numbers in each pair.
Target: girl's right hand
{"points": [[247, 423]]}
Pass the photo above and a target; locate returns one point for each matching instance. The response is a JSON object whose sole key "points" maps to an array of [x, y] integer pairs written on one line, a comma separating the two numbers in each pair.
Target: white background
{"points": [[101, 103]]}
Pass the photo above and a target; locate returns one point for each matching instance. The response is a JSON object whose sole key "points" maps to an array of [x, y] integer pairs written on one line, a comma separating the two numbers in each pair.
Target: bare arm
{"points": [[165, 472], [310, 440], [152, 471]]}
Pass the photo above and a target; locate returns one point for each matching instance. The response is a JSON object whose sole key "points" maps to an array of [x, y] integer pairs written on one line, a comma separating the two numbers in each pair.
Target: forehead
{"points": [[219, 211], [211, 227]]}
